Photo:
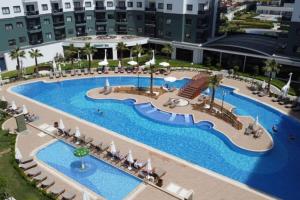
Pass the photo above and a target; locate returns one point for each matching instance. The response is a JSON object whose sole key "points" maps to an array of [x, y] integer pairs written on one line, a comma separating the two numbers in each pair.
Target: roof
{"points": [[248, 43]]}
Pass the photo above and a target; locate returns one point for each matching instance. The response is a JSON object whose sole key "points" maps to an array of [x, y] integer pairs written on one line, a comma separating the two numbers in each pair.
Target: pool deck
{"points": [[205, 183]]}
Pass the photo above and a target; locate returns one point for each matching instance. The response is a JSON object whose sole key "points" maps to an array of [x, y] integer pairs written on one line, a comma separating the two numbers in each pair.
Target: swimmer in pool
{"points": [[100, 112]]}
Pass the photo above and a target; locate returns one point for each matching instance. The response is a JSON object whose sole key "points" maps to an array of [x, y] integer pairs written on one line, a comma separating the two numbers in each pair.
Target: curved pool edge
{"points": [[223, 136]]}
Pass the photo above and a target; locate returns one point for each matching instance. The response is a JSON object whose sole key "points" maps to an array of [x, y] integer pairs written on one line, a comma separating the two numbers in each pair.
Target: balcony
{"points": [[58, 25], [79, 9], [60, 37], [202, 26], [32, 14], [150, 23], [101, 21], [150, 9], [203, 12], [80, 23], [101, 32], [57, 11], [100, 9], [34, 29], [121, 8], [123, 20], [36, 41], [81, 33]]}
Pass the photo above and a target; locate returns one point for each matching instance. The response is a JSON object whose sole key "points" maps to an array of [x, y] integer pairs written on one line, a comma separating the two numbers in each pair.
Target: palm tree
{"points": [[121, 47], [35, 53], [214, 82], [167, 49], [17, 54], [70, 53], [137, 50], [89, 50], [271, 66]]}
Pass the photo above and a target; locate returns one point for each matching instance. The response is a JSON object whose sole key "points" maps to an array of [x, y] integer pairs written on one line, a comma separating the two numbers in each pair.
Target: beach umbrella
{"points": [[113, 149], [77, 132], [164, 64], [130, 159], [149, 167], [207, 91], [54, 65], [25, 110], [3, 98], [44, 72], [86, 196], [104, 62], [13, 105], [286, 87], [61, 125], [107, 85], [152, 61], [119, 64], [263, 85], [18, 155], [81, 152], [59, 67], [132, 63], [170, 79]]}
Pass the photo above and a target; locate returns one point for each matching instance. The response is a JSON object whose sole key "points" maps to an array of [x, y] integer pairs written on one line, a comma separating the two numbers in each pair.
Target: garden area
{"points": [[12, 181]]}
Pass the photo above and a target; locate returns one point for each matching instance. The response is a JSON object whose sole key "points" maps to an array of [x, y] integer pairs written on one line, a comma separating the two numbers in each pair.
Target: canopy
{"points": [[170, 79], [132, 63], [164, 64], [81, 152], [25, 110], [113, 149], [77, 132], [13, 105], [106, 83], [61, 125], [18, 155]]}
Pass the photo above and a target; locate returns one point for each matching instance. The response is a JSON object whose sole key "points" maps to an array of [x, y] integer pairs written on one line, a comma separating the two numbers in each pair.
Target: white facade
{"points": [[276, 10], [10, 5], [180, 6], [48, 50], [296, 13]]}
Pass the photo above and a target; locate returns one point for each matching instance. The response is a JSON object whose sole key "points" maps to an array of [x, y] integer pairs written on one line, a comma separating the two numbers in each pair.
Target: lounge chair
{"points": [[262, 93], [33, 172], [258, 133], [63, 73], [158, 173], [86, 71], [57, 75], [279, 98], [284, 101], [102, 90], [174, 103], [102, 147], [51, 76], [169, 102], [116, 70], [92, 71], [31, 118], [108, 91], [78, 72], [88, 140], [40, 177], [94, 144], [73, 72], [47, 183], [293, 104], [56, 190], [296, 109], [248, 131], [139, 164], [99, 71], [25, 160], [68, 195], [28, 165], [80, 139], [120, 157]]}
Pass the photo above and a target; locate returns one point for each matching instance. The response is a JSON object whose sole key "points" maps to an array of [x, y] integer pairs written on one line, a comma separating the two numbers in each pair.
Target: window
{"points": [[188, 21], [69, 19], [8, 27], [110, 4], [139, 17], [100, 28], [160, 6], [12, 42], [46, 21], [22, 39], [90, 29], [140, 30], [139, 4], [168, 21], [189, 7], [49, 35], [70, 31], [129, 4], [168, 34], [110, 16], [17, 9], [169, 6], [89, 17], [188, 36], [44, 7], [20, 25], [5, 10], [88, 4], [67, 5]]}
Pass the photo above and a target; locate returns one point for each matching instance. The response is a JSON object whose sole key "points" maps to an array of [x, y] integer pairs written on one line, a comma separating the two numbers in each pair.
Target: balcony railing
{"points": [[121, 20], [34, 42], [58, 24], [32, 13], [79, 9], [150, 9], [60, 37], [121, 8], [57, 11], [203, 12], [100, 8], [101, 32], [101, 20]]}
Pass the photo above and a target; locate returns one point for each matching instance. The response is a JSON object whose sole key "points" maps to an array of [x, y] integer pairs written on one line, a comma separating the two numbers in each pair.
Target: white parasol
{"points": [[77, 132], [164, 64], [25, 110], [61, 125], [170, 79], [104, 62], [113, 149], [13, 105]]}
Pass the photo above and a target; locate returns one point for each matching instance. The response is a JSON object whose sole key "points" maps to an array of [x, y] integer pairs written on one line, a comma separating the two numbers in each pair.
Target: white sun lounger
{"points": [[68, 195], [28, 165], [56, 190], [47, 183], [33, 172], [40, 177]]}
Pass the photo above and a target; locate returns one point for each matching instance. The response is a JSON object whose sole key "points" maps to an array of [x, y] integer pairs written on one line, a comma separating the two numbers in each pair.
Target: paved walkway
{"points": [[205, 184]]}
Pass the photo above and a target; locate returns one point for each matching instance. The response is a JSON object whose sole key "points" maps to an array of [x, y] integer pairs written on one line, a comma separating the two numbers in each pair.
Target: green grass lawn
{"points": [[15, 184]]}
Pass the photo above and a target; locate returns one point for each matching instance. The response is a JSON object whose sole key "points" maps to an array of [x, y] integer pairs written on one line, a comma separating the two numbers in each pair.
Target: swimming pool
{"points": [[105, 180], [275, 172]]}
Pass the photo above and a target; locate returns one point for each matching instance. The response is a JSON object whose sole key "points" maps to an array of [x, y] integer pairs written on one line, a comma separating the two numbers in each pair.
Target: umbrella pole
{"points": [[82, 163]]}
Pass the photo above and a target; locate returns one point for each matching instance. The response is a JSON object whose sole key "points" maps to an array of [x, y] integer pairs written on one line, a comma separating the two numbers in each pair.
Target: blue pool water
{"points": [[275, 172], [103, 179]]}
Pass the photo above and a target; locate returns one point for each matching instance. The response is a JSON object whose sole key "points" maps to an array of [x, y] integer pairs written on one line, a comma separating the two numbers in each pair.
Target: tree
{"points": [[70, 53], [89, 50], [271, 66], [35, 53], [16, 54], [214, 82], [137, 50], [121, 47], [167, 49]]}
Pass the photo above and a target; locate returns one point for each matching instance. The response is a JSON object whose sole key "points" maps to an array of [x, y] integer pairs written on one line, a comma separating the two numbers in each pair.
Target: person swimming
{"points": [[275, 128], [100, 112]]}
